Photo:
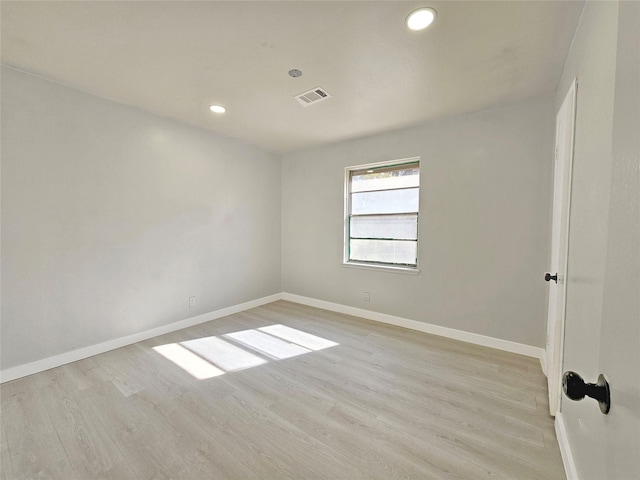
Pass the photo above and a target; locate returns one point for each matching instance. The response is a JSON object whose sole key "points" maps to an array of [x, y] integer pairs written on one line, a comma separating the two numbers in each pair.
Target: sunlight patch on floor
{"points": [[267, 344], [188, 361], [312, 342], [209, 357], [223, 354]]}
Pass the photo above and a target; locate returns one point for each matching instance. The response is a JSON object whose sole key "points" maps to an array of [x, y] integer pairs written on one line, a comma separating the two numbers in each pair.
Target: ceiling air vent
{"points": [[312, 96]]}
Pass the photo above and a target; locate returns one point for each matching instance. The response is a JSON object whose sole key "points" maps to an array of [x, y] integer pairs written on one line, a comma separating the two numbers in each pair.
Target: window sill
{"points": [[382, 268]]}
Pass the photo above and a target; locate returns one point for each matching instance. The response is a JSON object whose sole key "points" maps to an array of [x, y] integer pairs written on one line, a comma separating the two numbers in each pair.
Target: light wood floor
{"points": [[384, 403]]}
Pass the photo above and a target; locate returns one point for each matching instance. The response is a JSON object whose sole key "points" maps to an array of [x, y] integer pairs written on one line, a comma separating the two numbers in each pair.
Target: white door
{"points": [[607, 447], [559, 243]]}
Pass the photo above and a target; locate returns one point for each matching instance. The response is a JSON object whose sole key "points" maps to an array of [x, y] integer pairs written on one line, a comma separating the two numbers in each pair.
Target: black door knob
{"points": [[575, 388], [548, 276]]}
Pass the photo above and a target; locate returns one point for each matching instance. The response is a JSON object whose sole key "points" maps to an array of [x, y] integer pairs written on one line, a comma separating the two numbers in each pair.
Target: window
{"points": [[381, 214]]}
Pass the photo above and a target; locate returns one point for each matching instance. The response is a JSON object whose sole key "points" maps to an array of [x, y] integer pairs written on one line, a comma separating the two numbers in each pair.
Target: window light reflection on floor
{"points": [[209, 357], [188, 361], [223, 354], [271, 346], [312, 342]]}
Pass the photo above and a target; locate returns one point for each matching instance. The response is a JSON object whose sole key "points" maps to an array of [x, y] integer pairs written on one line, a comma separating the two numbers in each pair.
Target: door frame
{"points": [[563, 171]]}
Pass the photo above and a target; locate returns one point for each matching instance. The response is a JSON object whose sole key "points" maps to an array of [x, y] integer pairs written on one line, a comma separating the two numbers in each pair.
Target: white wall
{"points": [[112, 218], [484, 223]]}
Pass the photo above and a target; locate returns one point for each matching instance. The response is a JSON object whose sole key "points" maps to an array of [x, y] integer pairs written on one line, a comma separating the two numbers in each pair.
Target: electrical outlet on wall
{"points": [[192, 302], [366, 296]]}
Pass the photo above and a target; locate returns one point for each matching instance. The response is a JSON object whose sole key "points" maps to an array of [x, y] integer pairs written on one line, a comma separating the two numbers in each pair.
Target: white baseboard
{"points": [[565, 448], [85, 352], [474, 338]]}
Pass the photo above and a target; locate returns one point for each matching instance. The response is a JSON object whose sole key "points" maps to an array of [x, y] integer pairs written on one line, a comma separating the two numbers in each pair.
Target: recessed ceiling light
{"points": [[421, 18], [217, 109]]}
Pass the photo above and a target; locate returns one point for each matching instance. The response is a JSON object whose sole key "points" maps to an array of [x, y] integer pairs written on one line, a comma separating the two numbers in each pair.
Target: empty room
{"points": [[320, 240]]}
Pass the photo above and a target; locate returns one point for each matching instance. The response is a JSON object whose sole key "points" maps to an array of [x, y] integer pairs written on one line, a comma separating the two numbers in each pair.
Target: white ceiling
{"points": [[174, 59]]}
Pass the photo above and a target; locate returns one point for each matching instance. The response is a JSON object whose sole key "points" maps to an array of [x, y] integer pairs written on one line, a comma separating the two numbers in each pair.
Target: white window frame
{"points": [[397, 268]]}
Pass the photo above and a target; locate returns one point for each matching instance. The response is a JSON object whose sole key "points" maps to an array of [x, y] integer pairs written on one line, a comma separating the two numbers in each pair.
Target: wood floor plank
{"points": [[5, 458], [34, 448], [285, 445], [87, 444], [85, 373], [362, 400], [370, 458]]}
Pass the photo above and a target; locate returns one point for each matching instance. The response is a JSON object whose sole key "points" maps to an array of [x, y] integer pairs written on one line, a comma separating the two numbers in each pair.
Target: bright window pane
{"points": [[389, 201], [385, 180], [384, 251], [384, 226]]}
